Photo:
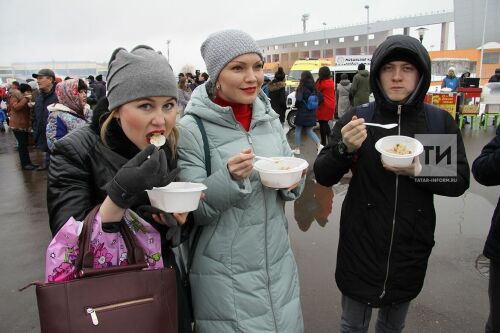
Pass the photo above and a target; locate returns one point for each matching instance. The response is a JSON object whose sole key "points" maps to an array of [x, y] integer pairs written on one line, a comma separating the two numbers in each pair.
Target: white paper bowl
{"points": [[281, 174], [176, 197], [397, 160]]}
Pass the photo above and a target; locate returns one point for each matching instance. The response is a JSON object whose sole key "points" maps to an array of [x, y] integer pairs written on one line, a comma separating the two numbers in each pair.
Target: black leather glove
{"points": [[172, 229], [144, 171]]}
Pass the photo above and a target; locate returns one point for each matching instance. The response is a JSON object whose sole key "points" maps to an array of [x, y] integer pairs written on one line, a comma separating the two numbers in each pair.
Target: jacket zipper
{"points": [[93, 311], [393, 217]]}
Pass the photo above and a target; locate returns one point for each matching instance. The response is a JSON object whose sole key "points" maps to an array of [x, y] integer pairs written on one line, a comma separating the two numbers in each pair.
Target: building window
{"points": [[305, 43], [275, 47], [284, 46], [316, 54], [295, 45], [316, 42], [371, 36], [491, 58], [341, 51], [268, 58], [327, 41], [276, 57], [355, 50], [341, 39], [356, 38], [328, 53]]}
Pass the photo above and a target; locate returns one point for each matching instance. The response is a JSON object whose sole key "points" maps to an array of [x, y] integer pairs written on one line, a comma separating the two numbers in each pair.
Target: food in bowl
{"points": [[283, 172], [399, 149], [176, 197], [386, 144]]}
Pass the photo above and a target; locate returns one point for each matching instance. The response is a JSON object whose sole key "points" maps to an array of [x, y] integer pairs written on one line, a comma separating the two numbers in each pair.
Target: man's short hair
{"points": [[361, 67]]}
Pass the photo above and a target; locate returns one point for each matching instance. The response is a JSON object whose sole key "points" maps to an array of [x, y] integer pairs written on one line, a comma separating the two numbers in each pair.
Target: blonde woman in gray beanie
{"points": [[244, 276], [112, 161]]}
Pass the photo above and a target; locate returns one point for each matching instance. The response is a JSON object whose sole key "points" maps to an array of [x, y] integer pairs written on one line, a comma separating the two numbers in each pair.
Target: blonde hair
{"points": [[172, 138]]}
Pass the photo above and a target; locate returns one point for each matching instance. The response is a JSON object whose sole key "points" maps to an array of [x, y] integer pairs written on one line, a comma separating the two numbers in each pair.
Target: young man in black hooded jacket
{"points": [[388, 218]]}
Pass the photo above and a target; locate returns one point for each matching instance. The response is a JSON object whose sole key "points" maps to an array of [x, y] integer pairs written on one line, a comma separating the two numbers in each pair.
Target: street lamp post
{"points": [[168, 50], [482, 43], [421, 31], [367, 7], [304, 19]]}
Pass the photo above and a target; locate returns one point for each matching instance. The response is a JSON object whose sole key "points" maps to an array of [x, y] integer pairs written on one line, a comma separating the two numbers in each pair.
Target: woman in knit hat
{"points": [[112, 162], [243, 276]]}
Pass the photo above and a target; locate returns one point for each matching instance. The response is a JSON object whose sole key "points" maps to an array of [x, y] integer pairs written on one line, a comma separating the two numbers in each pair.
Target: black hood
{"points": [[409, 46]]}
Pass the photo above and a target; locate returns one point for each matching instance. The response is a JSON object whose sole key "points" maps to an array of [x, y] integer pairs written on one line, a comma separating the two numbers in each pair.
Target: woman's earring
{"points": [[217, 86]]}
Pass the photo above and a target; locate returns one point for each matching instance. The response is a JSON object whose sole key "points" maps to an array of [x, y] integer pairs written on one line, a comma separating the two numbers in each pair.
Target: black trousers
{"points": [[493, 324], [22, 149], [324, 131]]}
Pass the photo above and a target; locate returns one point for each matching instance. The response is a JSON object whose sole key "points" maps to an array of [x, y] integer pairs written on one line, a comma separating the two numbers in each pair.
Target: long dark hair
{"points": [[305, 77]]}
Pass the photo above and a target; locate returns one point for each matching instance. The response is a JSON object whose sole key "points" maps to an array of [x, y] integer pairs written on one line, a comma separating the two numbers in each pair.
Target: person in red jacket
{"points": [[326, 109]]}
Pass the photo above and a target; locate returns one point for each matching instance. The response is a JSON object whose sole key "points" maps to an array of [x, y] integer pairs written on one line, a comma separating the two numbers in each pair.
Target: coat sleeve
{"points": [[56, 129], [486, 167], [282, 98], [222, 191], [68, 190], [458, 187], [17, 104], [330, 166], [354, 85]]}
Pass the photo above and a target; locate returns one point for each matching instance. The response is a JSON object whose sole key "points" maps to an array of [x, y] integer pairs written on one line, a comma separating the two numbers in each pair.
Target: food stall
{"points": [[444, 100], [469, 105]]}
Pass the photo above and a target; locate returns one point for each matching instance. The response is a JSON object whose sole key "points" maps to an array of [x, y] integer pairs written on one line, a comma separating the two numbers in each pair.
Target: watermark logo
{"points": [[439, 159]]}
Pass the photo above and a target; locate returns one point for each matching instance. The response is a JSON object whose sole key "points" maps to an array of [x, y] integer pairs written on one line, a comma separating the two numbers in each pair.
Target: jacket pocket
{"points": [[220, 239]]}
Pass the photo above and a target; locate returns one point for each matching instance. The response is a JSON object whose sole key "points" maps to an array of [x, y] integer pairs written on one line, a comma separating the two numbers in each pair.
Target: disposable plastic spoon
{"points": [[274, 160], [386, 126]]}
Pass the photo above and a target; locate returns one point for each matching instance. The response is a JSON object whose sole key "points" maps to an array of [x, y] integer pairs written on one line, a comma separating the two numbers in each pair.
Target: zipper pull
{"points": [[381, 295], [249, 139], [399, 119], [93, 315]]}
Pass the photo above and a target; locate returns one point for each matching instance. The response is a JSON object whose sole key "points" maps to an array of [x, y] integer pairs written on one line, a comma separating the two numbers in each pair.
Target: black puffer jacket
{"points": [[305, 117], [387, 222], [486, 170], [81, 166]]}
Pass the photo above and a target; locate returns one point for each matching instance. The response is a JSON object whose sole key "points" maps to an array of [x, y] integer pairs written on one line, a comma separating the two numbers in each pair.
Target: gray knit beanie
{"points": [[140, 73], [223, 46]]}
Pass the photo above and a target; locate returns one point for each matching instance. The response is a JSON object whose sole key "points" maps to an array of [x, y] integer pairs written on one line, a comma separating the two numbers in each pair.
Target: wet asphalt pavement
{"points": [[453, 299]]}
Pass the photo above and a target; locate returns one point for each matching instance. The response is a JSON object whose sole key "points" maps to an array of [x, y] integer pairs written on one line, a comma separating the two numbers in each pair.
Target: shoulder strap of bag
{"points": [[84, 262], [208, 168]]}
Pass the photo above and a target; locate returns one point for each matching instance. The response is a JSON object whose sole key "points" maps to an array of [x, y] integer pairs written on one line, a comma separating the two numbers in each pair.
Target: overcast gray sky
{"points": [[46, 30]]}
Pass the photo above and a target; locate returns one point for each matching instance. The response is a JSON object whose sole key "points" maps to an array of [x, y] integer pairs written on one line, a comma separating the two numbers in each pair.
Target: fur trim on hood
{"points": [[273, 86]]}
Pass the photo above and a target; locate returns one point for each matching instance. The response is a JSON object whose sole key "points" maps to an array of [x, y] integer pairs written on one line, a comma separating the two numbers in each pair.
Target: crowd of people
{"points": [[244, 276]]}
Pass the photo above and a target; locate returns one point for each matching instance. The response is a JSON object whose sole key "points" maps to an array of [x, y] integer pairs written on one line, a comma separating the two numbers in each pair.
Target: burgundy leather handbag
{"points": [[116, 299]]}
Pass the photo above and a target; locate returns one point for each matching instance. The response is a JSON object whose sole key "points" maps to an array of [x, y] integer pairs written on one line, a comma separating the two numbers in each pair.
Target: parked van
{"points": [[336, 72], [308, 64]]}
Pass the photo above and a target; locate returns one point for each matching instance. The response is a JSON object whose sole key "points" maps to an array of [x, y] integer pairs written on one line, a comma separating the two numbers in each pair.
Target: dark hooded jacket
{"points": [[387, 221], [80, 168], [304, 116], [41, 114], [486, 170], [277, 95]]}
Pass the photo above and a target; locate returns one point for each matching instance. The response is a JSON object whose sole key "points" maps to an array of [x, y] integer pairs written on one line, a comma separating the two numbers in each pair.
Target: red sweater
{"points": [[242, 112]]}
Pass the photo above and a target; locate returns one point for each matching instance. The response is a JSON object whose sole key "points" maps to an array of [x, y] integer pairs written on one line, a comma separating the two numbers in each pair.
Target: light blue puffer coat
{"points": [[244, 276]]}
